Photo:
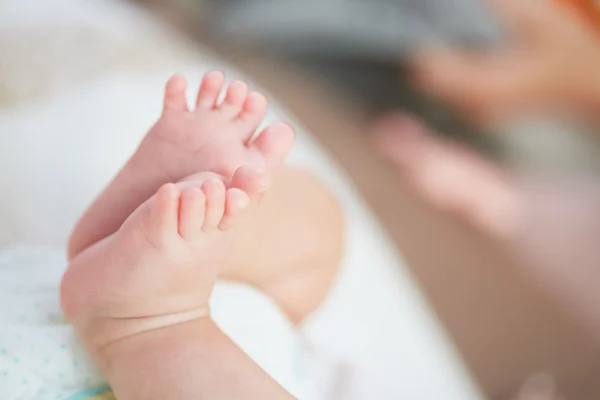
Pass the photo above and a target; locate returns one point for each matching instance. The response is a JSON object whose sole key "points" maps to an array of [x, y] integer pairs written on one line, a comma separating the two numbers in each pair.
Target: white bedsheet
{"points": [[68, 122]]}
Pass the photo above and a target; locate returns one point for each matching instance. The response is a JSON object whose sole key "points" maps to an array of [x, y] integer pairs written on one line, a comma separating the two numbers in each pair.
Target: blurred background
{"points": [[340, 67]]}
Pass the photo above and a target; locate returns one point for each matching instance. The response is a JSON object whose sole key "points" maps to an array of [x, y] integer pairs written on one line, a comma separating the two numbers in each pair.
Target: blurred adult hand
{"points": [[551, 59], [550, 228]]}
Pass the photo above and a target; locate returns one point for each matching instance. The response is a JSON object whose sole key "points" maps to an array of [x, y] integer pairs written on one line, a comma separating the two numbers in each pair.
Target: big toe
{"points": [[274, 143]]}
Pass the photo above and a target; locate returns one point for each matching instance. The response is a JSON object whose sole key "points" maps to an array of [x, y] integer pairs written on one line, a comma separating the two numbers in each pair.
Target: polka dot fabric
{"points": [[40, 357]]}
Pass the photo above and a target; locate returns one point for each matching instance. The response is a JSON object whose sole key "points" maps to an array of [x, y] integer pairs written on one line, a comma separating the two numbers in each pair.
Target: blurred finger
{"points": [[485, 84], [451, 177], [527, 19]]}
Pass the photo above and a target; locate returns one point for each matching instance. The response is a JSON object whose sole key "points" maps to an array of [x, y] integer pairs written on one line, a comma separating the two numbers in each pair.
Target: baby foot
{"points": [[159, 268], [217, 137]]}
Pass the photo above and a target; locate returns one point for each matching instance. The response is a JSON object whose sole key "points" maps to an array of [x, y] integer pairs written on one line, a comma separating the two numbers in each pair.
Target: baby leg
{"points": [[290, 246]]}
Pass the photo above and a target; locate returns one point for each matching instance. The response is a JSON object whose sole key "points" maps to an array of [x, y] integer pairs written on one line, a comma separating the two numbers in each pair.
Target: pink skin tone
{"points": [[138, 286], [158, 269], [213, 137]]}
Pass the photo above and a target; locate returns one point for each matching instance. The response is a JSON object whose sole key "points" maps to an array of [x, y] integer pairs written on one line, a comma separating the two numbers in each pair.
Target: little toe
{"points": [[164, 212], [253, 112], [209, 91], [234, 99], [274, 143], [191, 213], [175, 94], [236, 201], [214, 190]]}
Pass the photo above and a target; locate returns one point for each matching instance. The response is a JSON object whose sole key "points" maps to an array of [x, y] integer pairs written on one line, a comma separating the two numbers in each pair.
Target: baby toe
{"points": [[209, 91], [191, 213], [214, 190], [237, 201], [175, 94], [234, 99], [164, 213], [253, 112]]}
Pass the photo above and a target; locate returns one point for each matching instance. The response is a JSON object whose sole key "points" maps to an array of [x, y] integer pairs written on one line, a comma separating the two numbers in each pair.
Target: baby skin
{"points": [[213, 137], [159, 268], [143, 288]]}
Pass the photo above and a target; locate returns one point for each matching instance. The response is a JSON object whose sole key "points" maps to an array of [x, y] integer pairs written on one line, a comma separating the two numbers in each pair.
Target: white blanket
{"points": [[88, 78], [41, 359]]}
